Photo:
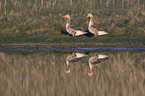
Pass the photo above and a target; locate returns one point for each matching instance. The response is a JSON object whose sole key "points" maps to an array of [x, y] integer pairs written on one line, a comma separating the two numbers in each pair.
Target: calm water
{"points": [[56, 73]]}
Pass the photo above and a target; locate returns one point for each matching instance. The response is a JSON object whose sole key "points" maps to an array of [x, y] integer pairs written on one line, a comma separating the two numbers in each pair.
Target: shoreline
{"points": [[72, 45]]}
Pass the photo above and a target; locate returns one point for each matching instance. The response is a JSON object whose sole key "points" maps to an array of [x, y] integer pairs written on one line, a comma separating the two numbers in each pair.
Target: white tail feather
{"points": [[80, 33], [102, 56], [79, 55], [102, 33]]}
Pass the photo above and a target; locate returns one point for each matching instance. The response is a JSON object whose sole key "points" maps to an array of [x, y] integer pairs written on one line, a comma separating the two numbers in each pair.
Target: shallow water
{"points": [[36, 72]]}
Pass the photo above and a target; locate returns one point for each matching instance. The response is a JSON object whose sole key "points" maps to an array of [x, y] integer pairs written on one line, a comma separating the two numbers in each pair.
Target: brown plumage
{"points": [[95, 61], [95, 29], [72, 58], [72, 29]]}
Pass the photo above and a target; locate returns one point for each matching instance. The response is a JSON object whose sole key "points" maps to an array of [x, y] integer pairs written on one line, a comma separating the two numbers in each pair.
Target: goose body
{"points": [[75, 57], [95, 29], [72, 58], [94, 61], [72, 29]]}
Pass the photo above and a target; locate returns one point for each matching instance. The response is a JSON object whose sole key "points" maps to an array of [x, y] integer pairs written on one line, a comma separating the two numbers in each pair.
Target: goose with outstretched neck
{"points": [[95, 29], [72, 29]]}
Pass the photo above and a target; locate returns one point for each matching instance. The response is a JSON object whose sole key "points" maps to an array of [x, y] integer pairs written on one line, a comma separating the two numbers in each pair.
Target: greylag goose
{"points": [[75, 57], [72, 29], [96, 30], [94, 61]]}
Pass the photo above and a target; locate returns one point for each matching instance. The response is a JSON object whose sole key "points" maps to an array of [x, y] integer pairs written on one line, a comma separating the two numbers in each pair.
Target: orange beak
{"points": [[88, 73], [64, 16], [87, 16], [65, 71]]}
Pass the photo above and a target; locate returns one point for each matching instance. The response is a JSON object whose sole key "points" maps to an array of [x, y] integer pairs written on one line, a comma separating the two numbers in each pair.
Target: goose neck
{"points": [[91, 21], [68, 22]]}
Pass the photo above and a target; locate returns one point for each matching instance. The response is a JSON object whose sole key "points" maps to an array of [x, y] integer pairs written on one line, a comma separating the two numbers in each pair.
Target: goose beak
{"points": [[90, 74], [67, 71], [64, 16]]}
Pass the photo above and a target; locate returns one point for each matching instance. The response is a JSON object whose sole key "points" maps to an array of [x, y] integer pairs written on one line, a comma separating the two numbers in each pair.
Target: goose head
{"points": [[89, 15], [66, 16], [90, 73], [67, 71]]}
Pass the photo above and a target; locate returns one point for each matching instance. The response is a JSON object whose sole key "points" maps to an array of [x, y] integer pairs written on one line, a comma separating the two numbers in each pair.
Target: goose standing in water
{"points": [[96, 30], [94, 61], [75, 57], [72, 29]]}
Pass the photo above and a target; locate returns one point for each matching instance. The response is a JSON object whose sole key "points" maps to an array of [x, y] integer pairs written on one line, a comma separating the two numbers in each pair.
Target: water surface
{"points": [[31, 73]]}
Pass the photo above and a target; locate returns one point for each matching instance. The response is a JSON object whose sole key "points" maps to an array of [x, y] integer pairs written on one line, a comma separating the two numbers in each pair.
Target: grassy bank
{"points": [[67, 42], [40, 21]]}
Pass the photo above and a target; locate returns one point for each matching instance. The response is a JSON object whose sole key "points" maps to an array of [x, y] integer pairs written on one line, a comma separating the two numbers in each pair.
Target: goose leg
{"points": [[96, 35], [74, 35]]}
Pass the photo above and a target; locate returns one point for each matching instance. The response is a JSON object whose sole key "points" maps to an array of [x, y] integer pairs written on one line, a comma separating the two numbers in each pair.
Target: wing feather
{"points": [[97, 27], [76, 28]]}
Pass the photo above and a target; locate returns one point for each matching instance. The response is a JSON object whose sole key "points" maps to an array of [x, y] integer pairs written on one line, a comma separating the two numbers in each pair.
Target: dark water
{"points": [[61, 73]]}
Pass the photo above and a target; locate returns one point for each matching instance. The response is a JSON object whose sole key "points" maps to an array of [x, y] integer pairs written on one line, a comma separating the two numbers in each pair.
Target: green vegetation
{"points": [[42, 73], [40, 21]]}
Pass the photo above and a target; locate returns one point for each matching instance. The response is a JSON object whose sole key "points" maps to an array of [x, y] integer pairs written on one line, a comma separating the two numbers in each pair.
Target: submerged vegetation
{"points": [[40, 21]]}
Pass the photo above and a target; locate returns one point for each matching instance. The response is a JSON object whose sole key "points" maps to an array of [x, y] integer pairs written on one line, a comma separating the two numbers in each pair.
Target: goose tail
{"points": [[102, 33], [80, 33]]}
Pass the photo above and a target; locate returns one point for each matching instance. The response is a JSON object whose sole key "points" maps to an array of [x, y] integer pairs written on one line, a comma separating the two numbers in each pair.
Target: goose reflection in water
{"points": [[72, 58], [95, 61]]}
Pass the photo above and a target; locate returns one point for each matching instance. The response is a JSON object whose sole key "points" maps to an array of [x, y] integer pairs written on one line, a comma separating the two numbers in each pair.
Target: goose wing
{"points": [[97, 27], [76, 28], [94, 60], [75, 60]]}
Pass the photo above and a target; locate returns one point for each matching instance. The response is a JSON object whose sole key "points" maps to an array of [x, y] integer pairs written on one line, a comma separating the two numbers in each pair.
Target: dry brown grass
{"points": [[29, 16]]}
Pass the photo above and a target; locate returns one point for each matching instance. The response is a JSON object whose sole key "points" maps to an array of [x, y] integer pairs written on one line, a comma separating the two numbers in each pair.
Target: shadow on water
{"points": [[48, 72]]}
